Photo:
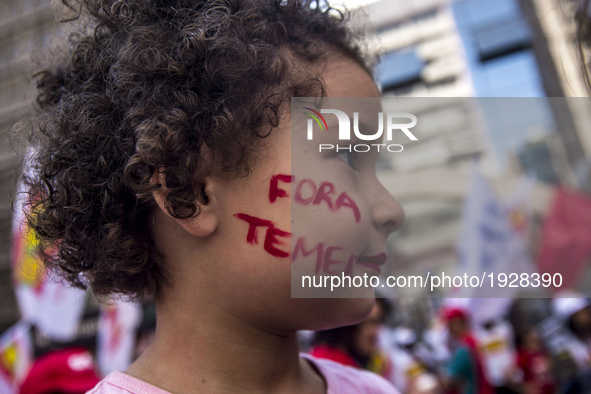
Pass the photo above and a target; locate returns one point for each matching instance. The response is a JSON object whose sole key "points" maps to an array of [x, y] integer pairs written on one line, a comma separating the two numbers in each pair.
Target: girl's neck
{"points": [[213, 351]]}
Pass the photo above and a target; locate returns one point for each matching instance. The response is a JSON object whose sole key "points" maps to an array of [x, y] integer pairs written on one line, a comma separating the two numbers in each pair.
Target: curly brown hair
{"points": [[144, 88]]}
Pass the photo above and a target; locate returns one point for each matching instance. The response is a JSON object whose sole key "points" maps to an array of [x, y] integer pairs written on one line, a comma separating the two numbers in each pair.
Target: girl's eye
{"points": [[345, 156]]}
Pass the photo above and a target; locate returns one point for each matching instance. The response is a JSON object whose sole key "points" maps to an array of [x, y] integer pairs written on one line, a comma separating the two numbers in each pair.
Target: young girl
{"points": [[161, 131]]}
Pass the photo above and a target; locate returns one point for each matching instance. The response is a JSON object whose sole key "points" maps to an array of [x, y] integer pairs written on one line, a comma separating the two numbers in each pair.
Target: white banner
{"points": [[52, 307], [116, 336], [488, 244]]}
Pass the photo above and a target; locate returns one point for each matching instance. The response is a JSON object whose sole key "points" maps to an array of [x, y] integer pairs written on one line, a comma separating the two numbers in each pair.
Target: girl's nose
{"points": [[386, 212]]}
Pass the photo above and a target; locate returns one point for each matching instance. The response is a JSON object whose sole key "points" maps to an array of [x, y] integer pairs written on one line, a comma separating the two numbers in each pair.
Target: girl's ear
{"points": [[206, 220]]}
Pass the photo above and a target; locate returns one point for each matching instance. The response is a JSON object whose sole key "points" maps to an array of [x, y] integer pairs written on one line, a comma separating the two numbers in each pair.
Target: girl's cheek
{"points": [[327, 229]]}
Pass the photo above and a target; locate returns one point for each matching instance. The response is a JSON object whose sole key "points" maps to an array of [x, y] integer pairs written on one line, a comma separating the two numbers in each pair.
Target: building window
{"points": [[399, 69], [502, 38]]}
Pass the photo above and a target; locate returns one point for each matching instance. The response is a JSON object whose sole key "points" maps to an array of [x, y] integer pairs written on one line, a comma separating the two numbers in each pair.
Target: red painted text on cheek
{"points": [[307, 192], [272, 234], [326, 257], [274, 191]]}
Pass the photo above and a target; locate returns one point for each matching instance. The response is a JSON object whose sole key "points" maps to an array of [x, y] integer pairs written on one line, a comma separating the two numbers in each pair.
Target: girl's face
{"points": [[315, 213]]}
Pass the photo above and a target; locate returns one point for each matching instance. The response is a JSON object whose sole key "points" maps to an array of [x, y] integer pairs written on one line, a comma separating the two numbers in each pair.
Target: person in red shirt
{"points": [[356, 345], [465, 370], [534, 363]]}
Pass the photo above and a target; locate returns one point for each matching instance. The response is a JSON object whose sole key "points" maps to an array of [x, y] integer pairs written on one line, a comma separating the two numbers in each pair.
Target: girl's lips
{"points": [[373, 262]]}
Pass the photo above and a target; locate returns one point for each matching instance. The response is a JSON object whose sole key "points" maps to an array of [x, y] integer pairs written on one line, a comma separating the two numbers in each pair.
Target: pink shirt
{"points": [[339, 379]]}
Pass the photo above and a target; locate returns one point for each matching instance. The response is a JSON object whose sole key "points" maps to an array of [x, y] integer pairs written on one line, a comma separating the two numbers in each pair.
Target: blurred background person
{"points": [[410, 372], [356, 345], [465, 371], [534, 363], [496, 343], [436, 340], [573, 313]]}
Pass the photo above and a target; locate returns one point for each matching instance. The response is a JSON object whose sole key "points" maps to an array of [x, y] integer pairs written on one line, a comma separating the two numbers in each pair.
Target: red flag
{"points": [[566, 237]]}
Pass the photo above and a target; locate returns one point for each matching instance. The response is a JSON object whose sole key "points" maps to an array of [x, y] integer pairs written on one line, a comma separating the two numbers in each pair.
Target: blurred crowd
{"points": [[455, 354]]}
